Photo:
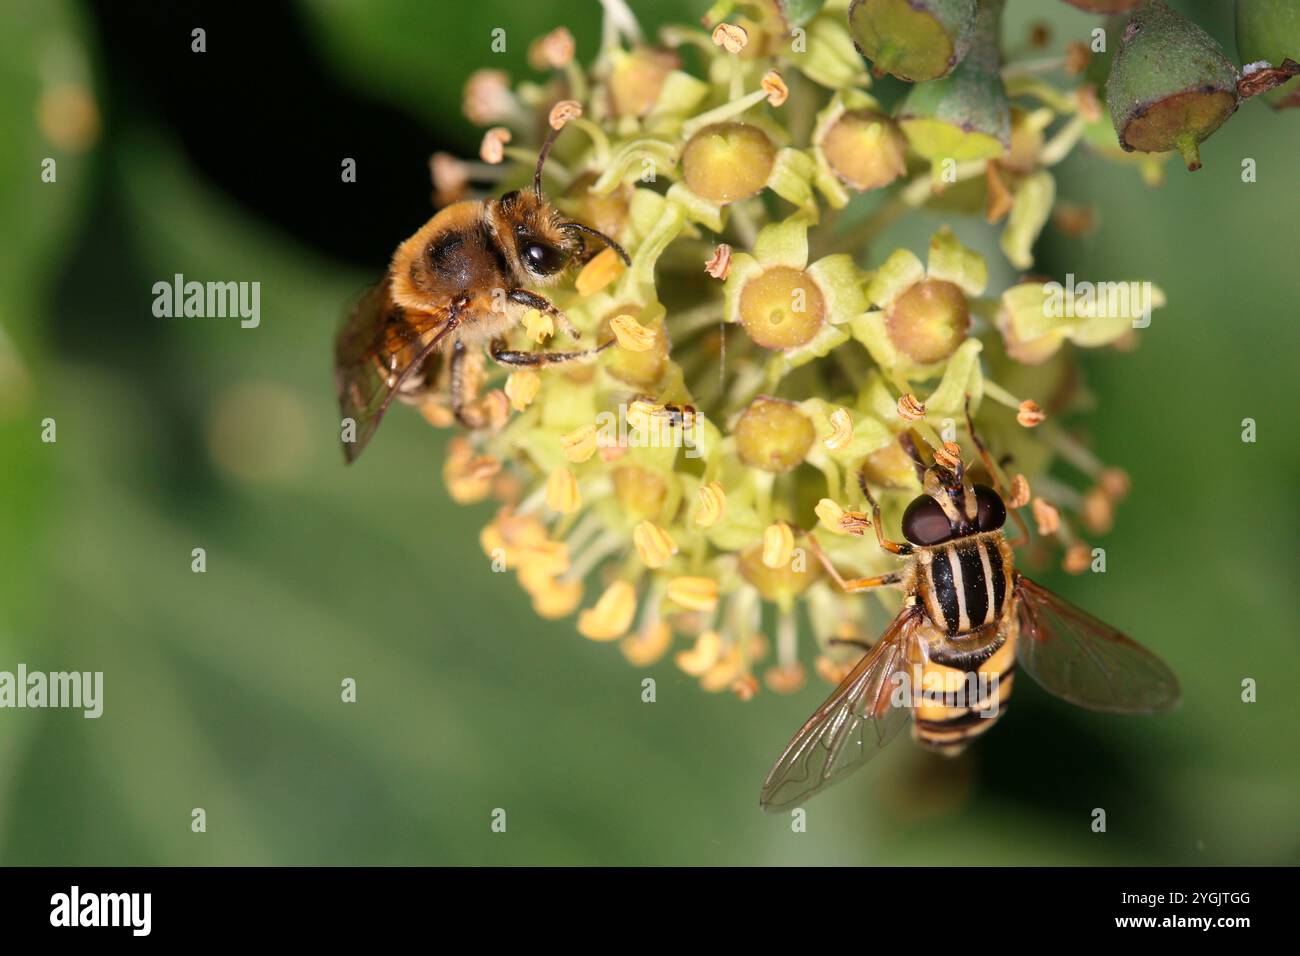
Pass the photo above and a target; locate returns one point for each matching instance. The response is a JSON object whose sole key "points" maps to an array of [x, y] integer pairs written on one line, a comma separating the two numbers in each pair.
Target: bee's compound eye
{"points": [[543, 259], [925, 523]]}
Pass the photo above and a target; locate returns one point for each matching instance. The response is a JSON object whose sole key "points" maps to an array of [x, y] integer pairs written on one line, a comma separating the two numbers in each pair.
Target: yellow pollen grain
{"points": [[1020, 492], [580, 444], [558, 599], [785, 678], [778, 545], [562, 492], [654, 545], [910, 409], [1030, 414], [1046, 517], [711, 505], [775, 88], [829, 514], [538, 326], [719, 265], [694, 593], [701, 657], [612, 614], [562, 112], [648, 644], [632, 335], [603, 269], [522, 386], [842, 430], [493, 148], [730, 37]]}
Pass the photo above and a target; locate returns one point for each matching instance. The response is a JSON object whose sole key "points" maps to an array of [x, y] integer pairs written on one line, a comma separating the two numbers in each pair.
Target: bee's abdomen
{"points": [[964, 583]]}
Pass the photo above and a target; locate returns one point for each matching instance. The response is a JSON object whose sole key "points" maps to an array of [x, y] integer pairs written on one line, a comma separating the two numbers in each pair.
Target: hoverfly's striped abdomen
{"points": [[964, 584]]}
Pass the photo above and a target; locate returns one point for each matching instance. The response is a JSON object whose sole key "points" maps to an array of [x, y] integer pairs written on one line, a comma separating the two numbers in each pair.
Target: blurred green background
{"points": [[222, 689]]}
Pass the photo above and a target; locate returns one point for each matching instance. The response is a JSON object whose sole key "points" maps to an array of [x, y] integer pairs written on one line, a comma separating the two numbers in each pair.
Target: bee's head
{"points": [[535, 237], [539, 241], [951, 506]]}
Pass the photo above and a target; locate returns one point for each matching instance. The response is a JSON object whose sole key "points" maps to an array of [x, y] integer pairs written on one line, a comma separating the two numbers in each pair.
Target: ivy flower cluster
{"points": [[767, 352]]}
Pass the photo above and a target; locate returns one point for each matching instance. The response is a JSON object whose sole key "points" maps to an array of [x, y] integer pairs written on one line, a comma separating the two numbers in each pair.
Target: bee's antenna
{"points": [[579, 227], [541, 160]]}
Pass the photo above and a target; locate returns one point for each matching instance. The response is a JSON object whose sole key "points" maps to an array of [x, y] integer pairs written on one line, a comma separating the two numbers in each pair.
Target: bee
{"points": [[969, 620], [460, 282]]}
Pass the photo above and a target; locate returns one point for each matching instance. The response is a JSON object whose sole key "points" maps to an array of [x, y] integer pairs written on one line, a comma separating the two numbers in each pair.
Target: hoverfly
{"points": [[969, 619], [459, 282]]}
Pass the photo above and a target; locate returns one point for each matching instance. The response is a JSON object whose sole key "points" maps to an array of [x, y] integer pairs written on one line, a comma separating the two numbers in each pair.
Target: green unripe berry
{"points": [[915, 40], [774, 435], [1170, 86], [965, 115]]}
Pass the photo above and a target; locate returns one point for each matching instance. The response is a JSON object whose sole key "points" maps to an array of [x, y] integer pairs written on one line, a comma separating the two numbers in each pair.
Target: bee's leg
{"points": [[893, 547], [545, 306], [852, 584], [459, 387], [994, 474], [515, 359]]}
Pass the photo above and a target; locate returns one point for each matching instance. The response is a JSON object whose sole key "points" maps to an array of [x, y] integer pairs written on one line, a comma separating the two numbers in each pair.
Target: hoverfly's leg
{"points": [[516, 359], [893, 547], [996, 476], [545, 306], [851, 585]]}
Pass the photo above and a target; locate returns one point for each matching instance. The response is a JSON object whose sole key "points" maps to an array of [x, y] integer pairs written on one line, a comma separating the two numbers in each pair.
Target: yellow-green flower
{"points": [[797, 310]]}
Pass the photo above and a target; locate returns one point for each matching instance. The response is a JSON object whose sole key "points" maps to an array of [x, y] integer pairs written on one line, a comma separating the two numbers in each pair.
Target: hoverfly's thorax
{"points": [[964, 584]]}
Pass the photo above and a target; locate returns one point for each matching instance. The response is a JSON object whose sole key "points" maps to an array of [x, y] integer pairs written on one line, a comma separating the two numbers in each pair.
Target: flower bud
{"points": [[774, 435], [915, 40], [725, 162], [1170, 86]]}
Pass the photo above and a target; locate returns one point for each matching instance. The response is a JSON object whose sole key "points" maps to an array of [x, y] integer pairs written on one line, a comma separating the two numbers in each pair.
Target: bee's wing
{"points": [[854, 724], [379, 345], [1080, 659]]}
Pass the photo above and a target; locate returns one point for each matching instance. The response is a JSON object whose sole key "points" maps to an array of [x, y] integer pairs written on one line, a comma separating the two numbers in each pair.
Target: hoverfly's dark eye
{"points": [[542, 259], [992, 512], [925, 523]]}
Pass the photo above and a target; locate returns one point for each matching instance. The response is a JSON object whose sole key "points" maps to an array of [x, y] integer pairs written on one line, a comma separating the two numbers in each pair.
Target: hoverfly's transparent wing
{"points": [[852, 726], [379, 345], [1080, 659]]}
